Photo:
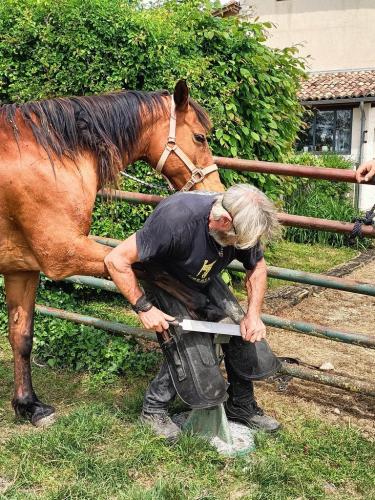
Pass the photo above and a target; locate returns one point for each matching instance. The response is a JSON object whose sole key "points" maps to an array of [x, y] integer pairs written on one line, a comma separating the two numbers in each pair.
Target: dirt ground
{"points": [[337, 309]]}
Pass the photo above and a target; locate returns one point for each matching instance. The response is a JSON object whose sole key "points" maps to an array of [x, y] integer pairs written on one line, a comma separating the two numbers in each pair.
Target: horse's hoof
{"points": [[44, 422], [38, 413], [42, 415]]}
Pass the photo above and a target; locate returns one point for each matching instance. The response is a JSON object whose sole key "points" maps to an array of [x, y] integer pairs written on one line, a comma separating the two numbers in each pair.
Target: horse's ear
{"points": [[181, 95]]}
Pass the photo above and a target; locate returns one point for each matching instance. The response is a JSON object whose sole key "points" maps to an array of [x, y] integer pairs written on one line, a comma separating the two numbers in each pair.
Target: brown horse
{"points": [[55, 155]]}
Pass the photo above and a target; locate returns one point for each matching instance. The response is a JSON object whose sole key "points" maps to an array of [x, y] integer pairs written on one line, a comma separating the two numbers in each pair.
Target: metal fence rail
{"points": [[117, 329], [322, 280], [122, 330], [266, 167], [130, 197], [311, 329], [284, 219]]}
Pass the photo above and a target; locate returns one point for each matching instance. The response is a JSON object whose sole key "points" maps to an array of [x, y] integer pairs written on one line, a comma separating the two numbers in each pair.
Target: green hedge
{"points": [[63, 344], [321, 199], [50, 48]]}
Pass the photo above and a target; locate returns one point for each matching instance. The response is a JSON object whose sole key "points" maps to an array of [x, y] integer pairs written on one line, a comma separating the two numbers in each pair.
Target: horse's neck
{"points": [[141, 149]]}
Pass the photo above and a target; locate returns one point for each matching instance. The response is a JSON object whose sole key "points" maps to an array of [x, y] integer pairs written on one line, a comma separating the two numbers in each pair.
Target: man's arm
{"points": [[366, 171], [252, 327], [119, 264]]}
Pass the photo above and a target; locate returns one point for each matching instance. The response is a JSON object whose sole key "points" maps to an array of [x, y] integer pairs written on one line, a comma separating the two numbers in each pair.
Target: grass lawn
{"points": [[98, 450], [310, 258]]}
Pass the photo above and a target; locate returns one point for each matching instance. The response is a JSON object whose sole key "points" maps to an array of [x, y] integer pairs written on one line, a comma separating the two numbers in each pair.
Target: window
{"points": [[327, 130]]}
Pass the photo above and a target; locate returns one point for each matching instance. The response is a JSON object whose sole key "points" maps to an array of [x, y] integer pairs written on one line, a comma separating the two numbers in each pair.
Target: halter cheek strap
{"points": [[197, 174]]}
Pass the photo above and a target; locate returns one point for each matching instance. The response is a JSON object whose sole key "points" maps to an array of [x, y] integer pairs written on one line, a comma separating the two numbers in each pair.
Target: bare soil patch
{"points": [[336, 309]]}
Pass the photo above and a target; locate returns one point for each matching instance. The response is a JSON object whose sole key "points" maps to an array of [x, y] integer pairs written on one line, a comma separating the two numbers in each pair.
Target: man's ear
{"points": [[226, 221], [181, 95]]}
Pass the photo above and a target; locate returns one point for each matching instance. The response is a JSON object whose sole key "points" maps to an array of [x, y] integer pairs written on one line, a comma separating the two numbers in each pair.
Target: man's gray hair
{"points": [[253, 214]]}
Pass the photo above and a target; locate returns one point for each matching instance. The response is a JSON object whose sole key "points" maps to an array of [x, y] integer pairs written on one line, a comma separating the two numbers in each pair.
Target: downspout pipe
{"points": [[360, 152]]}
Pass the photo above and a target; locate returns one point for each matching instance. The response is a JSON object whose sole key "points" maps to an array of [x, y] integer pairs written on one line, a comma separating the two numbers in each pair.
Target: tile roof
{"points": [[232, 8], [338, 85]]}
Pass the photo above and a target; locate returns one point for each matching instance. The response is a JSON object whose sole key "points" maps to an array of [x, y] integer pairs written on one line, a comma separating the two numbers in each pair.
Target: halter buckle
{"points": [[197, 176]]}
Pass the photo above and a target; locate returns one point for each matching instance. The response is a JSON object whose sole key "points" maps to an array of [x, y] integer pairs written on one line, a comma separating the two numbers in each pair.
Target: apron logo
{"points": [[205, 269]]}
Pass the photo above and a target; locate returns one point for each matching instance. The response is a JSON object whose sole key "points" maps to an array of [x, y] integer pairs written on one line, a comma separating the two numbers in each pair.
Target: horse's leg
{"points": [[20, 288], [88, 257], [75, 255]]}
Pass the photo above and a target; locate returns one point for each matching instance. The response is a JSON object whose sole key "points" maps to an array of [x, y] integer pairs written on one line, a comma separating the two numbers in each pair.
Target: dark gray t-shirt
{"points": [[176, 236]]}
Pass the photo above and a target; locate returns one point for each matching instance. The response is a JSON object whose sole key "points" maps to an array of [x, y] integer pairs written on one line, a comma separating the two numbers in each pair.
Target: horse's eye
{"points": [[200, 138]]}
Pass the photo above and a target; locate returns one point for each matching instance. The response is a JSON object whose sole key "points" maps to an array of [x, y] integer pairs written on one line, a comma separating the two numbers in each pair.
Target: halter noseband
{"points": [[197, 174]]}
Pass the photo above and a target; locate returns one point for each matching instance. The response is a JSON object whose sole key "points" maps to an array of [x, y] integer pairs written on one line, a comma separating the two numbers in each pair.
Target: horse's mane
{"points": [[109, 125]]}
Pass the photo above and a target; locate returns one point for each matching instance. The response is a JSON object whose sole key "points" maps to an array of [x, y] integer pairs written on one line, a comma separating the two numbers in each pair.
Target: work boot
{"points": [[161, 424], [252, 415]]}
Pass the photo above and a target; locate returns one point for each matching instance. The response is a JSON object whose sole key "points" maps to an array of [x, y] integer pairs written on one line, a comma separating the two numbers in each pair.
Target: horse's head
{"points": [[178, 146]]}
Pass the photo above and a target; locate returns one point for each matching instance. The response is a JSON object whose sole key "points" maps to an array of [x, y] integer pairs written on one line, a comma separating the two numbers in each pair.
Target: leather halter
{"points": [[197, 174]]}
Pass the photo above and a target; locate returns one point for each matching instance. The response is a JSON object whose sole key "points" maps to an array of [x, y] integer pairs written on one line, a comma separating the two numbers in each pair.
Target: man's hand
{"points": [[252, 328], [156, 320], [366, 171]]}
